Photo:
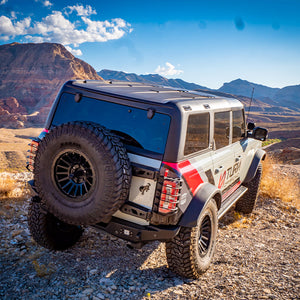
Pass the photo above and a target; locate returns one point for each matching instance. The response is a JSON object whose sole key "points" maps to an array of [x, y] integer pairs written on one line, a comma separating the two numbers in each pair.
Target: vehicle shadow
{"points": [[232, 217], [99, 261], [135, 272]]}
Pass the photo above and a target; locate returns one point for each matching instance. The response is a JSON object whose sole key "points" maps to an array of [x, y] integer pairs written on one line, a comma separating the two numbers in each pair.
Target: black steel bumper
{"points": [[137, 234]]}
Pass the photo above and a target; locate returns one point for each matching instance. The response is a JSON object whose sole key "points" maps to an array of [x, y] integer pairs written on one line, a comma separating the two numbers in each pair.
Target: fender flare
{"points": [[258, 157], [204, 194]]}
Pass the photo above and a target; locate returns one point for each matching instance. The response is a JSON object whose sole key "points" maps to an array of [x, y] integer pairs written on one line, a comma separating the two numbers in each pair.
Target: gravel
{"points": [[257, 257]]}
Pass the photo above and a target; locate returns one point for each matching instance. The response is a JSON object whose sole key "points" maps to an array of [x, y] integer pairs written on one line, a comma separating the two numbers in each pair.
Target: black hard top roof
{"points": [[153, 93], [158, 94]]}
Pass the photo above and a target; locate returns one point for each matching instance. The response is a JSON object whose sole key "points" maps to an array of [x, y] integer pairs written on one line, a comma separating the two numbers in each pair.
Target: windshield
{"points": [[129, 122]]}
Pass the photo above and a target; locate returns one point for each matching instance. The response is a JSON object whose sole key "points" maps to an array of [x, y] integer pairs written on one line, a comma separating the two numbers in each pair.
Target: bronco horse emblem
{"points": [[145, 188]]}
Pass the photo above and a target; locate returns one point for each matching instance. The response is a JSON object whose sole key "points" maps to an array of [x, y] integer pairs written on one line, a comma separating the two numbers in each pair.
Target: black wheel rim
{"points": [[73, 174], [205, 235]]}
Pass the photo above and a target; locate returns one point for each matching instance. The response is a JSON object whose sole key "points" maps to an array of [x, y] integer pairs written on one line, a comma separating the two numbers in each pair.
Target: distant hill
{"points": [[244, 87], [30, 77], [288, 96], [264, 96], [150, 78]]}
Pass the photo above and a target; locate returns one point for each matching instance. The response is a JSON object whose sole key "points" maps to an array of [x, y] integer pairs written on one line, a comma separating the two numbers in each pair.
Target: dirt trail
{"points": [[257, 258]]}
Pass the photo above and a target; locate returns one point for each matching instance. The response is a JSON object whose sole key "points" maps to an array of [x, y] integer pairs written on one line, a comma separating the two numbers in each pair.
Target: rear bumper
{"points": [[131, 232], [135, 233]]}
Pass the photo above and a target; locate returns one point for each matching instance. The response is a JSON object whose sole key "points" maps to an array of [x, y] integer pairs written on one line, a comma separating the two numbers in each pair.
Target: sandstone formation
{"points": [[30, 77]]}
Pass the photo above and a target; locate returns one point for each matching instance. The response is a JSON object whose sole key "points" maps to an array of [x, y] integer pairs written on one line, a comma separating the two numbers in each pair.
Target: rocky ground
{"points": [[257, 257]]}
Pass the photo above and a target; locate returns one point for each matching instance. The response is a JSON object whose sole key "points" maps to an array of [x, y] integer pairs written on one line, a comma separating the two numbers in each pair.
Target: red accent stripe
{"points": [[233, 189], [189, 173], [222, 180]]}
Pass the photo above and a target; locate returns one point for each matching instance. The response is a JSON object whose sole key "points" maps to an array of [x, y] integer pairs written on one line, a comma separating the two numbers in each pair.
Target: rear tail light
{"points": [[32, 153], [33, 149], [170, 194]]}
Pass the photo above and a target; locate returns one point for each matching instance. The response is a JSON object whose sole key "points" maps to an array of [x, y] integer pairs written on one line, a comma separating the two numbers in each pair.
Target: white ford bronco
{"points": [[143, 163]]}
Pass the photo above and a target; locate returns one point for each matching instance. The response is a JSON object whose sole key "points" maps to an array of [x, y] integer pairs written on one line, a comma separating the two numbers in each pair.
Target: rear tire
{"points": [[190, 253], [82, 173], [247, 202], [50, 232]]}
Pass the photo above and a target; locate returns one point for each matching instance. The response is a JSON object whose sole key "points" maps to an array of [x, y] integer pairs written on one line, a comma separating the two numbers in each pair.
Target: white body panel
{"points": [[145, 161], [142, 190], [223, 160]]}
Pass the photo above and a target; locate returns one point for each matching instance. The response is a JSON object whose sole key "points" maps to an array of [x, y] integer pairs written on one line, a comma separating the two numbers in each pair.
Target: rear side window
{"points": [[238, 123], [197, 135], [222, 127]]}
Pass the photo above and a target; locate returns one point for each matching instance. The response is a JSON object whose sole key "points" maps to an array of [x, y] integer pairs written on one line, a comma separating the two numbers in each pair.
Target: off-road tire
{"points": [[247, 202], [82, 173], [50, 232], [183, 252]]}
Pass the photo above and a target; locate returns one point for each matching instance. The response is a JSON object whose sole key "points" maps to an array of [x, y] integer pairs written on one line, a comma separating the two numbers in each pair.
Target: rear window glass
{"points": [[197, 135], [130, 122], [222, 127]]}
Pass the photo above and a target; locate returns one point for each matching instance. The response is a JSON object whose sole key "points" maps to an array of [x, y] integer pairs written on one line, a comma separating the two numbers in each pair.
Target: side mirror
{"points": [[251, 126], [260, 133]]}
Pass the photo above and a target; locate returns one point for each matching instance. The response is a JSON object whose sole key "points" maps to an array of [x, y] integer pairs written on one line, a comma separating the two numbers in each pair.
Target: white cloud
{"points": [[102, 31], [55, 23], [76, 52], [9, 29], [3, 2], [168, 70], [6, 26], [57, 28], [13, 15], [47, 3], [81, 10]]}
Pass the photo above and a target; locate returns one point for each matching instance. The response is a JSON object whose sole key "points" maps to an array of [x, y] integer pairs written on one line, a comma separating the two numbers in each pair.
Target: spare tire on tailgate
{"points": [[82, 173]]}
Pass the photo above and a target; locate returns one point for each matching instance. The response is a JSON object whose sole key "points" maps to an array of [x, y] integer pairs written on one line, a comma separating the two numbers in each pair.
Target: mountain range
{"points": [[287, 97], [32, 74]]}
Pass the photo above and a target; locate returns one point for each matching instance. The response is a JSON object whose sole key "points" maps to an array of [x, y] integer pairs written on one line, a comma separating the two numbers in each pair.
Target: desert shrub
{"points": [[7, 185], [11, 188], [279, 184], [271, 141]]}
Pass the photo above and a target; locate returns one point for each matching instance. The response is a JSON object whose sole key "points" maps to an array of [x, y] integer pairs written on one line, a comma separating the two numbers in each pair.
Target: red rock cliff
{"points": [[33, 74]]}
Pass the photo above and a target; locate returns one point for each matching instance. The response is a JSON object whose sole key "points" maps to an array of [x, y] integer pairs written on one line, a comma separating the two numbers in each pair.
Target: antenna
{"points": [[250, 105]]}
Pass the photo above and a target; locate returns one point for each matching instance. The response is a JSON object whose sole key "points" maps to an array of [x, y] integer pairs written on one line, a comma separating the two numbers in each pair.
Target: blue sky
{"points": [[206, 42]]}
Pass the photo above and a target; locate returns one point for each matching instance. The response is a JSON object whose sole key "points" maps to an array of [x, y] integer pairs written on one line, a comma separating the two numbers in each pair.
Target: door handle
{"points": [[218, 169]]}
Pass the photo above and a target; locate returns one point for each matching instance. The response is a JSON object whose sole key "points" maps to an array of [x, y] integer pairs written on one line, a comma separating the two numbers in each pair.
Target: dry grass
{"points": [[235, 219], [43, 270], [276, 184], [240, 221], [7, 186], [14, 146], [11, 192]]}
